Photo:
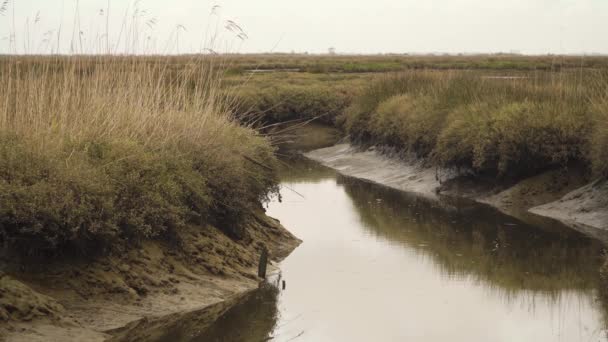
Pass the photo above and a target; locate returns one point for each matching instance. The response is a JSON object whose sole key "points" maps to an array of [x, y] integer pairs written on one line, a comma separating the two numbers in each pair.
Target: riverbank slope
{"points": [[558, 194], [89, 300]]}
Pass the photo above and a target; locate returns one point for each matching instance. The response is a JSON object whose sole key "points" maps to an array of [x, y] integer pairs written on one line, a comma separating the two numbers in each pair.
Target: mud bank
{"points": [[374, 166], [121, 297], [586, 206], [557, 194]]}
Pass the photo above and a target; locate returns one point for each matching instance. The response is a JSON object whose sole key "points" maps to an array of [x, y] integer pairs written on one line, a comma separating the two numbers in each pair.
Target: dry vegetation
{"points": [[323, 64], [449, 110], [97, 150]]}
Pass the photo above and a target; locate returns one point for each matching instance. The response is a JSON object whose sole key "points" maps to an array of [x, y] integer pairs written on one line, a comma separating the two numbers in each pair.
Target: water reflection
{"points": [[302, 170], [254, 319], [467, 240], [381, 265]]}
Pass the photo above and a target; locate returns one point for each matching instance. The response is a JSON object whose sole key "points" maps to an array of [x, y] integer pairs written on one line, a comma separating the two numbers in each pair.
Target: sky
{"points": [[349, 26]]}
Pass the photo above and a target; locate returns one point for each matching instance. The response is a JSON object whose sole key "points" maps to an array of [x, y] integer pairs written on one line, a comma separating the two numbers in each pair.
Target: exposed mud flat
{"points": [[558, 194], [587, 206], [109, 297], [371, 165]]}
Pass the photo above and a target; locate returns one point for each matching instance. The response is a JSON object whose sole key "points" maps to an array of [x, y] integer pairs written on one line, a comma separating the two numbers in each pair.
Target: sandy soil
{"points": [[558, 194], [92, 301]]}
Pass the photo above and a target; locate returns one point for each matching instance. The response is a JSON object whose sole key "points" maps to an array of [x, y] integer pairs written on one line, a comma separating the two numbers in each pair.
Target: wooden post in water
{"points": [[263, 263]]}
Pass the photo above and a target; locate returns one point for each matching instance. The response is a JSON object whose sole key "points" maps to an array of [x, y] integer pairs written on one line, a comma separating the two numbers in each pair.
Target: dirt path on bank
{"points": [[558, 194]]}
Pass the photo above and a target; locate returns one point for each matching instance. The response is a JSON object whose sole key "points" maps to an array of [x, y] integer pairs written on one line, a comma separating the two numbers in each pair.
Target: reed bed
{"points": [[99, 150]]}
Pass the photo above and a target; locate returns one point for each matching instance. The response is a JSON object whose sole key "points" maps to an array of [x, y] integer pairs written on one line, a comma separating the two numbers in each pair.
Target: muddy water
{"points": [[381, 265]]}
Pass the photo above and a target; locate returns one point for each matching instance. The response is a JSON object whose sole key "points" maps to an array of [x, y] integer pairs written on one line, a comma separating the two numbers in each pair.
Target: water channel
{"points": [[382, 265]]}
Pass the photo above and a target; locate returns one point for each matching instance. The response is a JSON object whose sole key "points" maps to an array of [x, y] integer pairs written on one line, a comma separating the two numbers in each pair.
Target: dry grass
{"points": [[108, 97]]}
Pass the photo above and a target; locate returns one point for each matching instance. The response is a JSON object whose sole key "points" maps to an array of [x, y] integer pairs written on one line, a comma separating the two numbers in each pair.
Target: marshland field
{"points": [[490, 113], [136, 196]]}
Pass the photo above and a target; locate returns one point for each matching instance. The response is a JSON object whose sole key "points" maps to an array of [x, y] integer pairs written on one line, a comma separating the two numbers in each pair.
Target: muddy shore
{"points": [[563, 195], [138, 295]]}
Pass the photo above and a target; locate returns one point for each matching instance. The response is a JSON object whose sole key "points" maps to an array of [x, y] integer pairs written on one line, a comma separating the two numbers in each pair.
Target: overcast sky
{"points": [[351, 26]]}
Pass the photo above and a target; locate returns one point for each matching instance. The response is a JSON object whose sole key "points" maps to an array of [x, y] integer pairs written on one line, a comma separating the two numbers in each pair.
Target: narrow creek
{"points": [[381, 265]]}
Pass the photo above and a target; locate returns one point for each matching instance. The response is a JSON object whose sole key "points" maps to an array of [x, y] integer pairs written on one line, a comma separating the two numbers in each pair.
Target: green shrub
{"points": [[408, 121], [45, 203], [514, 137], [238, 181]]}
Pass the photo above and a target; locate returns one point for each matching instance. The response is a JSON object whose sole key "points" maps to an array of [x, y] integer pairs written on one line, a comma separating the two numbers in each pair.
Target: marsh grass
{"points": [[276, 98], [324, 64], [599, 135], [506, 127], [98, 150], [505, 124]]}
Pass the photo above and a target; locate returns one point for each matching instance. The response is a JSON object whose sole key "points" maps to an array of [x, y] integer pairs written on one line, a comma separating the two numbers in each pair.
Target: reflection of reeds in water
{"points": [[254, 319], [531, 267], [475, 243], [302, 170]]}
